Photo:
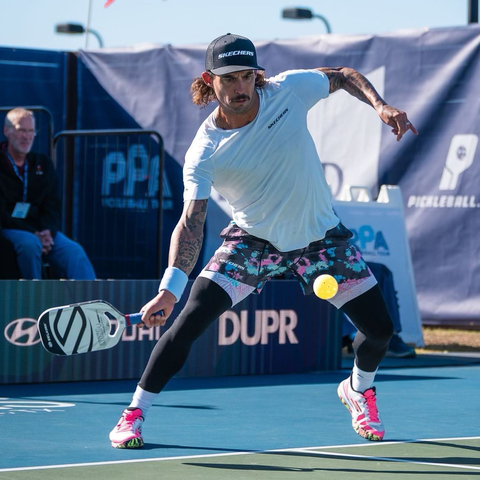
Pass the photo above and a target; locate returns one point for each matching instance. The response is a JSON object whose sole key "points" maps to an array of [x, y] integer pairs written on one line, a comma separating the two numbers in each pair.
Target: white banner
{"points": [[380, 234]]}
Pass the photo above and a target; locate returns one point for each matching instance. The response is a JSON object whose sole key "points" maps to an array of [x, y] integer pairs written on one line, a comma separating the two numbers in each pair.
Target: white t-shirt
{"points": [[268, 171]]}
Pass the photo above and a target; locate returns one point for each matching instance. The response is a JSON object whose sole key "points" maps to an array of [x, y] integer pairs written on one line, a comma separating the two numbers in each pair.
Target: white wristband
{"points": [[174, 280]]}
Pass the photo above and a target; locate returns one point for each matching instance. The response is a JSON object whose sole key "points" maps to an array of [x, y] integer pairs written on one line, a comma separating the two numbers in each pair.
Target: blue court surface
{"points": [[261, 427]]}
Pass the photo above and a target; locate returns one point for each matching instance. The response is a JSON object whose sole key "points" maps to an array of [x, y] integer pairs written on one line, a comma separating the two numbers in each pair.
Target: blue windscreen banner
{"points": [[30, 78], [121, 175], [431, 74], [279, 331]]}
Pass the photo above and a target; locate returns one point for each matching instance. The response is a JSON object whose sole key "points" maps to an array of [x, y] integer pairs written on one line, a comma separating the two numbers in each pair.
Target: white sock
{"points": [[142, 400], [361, 380]]}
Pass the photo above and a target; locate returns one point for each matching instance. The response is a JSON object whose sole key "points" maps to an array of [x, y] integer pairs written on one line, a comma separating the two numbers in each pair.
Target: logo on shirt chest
{"points": [[278, 118]]}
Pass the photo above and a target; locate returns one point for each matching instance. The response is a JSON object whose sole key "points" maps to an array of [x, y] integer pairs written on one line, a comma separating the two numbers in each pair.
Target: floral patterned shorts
{"points": [[243, 264]]}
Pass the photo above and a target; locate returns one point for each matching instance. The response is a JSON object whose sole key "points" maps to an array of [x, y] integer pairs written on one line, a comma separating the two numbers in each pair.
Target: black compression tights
{"points": [[207, 301], [369, 314]]}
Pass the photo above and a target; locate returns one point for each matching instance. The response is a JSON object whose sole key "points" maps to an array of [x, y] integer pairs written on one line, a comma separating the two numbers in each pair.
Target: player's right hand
{"points": [[164, 301]]}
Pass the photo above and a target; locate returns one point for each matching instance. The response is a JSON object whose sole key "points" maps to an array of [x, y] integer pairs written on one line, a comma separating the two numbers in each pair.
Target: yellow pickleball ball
{"points": [[325, 287]]}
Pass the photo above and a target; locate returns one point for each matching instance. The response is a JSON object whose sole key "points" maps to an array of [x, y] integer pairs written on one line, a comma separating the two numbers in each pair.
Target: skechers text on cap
{"points": [[231, 53]]}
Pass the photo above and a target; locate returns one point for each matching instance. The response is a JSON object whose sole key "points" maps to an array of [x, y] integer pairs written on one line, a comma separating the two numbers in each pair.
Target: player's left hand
{"points": [[398, 120]]}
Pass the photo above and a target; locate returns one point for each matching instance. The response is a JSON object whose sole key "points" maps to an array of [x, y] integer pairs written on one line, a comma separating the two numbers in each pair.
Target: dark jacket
{"points": [[42, 194]]}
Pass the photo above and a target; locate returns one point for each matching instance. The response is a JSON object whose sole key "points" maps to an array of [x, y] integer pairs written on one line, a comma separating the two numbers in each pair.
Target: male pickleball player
{"points": [[257, 152]]}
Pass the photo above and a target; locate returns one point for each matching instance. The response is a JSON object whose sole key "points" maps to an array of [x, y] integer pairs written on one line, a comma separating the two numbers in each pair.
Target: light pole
{"points": [[304, 14], [472, 11], [77, 29]]}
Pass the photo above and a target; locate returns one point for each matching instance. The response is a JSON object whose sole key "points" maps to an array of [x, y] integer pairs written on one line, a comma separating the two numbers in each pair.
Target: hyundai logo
{"points": [[22, 332]]}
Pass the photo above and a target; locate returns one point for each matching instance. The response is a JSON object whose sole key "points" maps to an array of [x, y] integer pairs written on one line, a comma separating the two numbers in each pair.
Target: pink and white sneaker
{"points": [[128, 432], [363, 408]]}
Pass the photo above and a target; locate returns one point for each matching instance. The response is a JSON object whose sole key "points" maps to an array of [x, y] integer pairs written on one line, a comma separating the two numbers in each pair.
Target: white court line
{"points": [[376, 444], [387, 459], [252, 452]]}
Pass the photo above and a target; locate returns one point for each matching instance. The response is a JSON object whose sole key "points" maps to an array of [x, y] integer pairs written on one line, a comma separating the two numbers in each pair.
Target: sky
{"points": [[127, 23]]}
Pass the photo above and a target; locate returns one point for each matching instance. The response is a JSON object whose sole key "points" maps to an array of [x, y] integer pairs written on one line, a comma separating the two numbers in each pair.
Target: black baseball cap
{"points": [[231, 53]]}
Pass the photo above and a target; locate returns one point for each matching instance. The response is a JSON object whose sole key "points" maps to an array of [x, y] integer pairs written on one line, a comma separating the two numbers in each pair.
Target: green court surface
{"points": [[439, 459], [265, 427]]}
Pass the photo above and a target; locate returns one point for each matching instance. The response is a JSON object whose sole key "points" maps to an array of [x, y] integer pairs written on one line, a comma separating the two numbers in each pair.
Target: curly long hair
{"points": [[203, 94]]}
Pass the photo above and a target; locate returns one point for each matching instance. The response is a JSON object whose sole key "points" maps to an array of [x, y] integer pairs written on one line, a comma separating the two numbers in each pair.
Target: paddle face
{"points": [[81, 327]]}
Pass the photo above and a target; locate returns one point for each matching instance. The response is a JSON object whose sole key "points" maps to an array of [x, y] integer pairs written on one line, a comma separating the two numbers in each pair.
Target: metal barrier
{"points": [[47, 149], [113, 198]]}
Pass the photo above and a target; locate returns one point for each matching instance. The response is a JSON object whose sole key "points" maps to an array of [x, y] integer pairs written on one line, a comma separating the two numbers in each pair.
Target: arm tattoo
{"points": [[354, 83], [187, 238]]}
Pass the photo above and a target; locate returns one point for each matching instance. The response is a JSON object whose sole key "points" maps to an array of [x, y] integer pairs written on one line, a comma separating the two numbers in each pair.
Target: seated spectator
{"points": [[32, 217]]}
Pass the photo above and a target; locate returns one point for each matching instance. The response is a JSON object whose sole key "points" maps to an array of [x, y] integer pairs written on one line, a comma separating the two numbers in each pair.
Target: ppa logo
{"points": [[22, 332], [368, 241], [131, 181]]}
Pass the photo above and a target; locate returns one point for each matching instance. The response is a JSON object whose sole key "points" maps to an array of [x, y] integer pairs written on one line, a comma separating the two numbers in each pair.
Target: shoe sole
{"points": [[358, 428], [131, 444]]}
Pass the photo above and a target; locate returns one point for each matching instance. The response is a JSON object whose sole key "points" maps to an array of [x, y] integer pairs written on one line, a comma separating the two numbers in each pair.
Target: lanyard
{"points": [[24, 180]]}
